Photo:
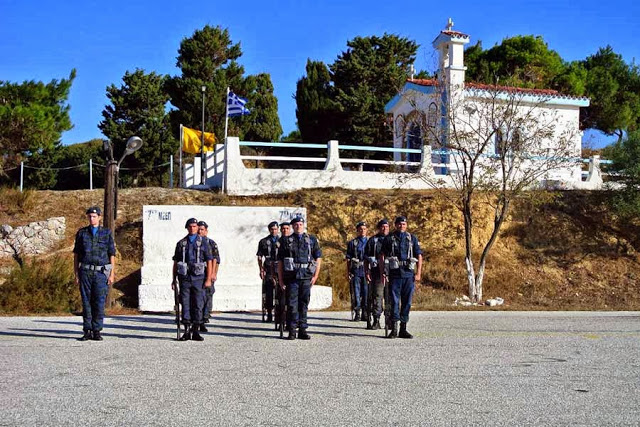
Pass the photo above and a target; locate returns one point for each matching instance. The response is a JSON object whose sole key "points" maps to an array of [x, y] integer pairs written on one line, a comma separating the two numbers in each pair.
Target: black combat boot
{"points": [[369, 325], [376, 323], [269, 317], [203, 328], [97, 336], [195, 335], [303, 335], [403, 331], [86, 336], [364, 317], [357, 318], [187, 333], [292, 334], [394, 330]]}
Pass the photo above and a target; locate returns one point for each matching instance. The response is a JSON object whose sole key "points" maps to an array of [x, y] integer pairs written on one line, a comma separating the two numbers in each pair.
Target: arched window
{"points": [[414, 141], [432, 115]]}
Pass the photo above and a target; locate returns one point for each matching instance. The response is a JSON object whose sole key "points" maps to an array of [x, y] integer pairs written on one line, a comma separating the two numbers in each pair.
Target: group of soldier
{"points": [[385, 267]]}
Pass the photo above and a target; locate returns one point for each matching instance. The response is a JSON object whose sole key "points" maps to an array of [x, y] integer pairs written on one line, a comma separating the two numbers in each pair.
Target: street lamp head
{"points": [[204, 88], [133, 144]]}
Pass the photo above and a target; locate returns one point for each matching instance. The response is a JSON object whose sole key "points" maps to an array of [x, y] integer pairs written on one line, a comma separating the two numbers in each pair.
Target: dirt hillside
{"points": [[564, 251]]}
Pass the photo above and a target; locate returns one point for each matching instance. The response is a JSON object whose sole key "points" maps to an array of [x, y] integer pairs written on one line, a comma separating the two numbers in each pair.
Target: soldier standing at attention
{"points": [[192, 266], [355, 271], [94, 255], [267, 263], [203, 230], [372, 272], [405, 265], [285, 229], [300, 260]]}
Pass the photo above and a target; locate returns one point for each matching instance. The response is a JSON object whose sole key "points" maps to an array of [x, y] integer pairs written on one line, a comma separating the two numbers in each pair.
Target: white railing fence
{"points": [[337, 170]]}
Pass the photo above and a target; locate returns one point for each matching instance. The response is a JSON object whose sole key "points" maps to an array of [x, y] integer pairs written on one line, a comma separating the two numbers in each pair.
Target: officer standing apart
{"points": [[372, 272], [94, 255], [355, 271], [203, 231], [405, 265], [267, 254], [192, 266], [300, 260]]}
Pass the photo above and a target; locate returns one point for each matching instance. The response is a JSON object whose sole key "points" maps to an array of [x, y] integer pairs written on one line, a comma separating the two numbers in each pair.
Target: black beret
{"points": [[297, 219], [400, 219], [203, 224], [382, 222], [272, 224], [360, 224], [190, 221], [284, 223], [95, 210]]}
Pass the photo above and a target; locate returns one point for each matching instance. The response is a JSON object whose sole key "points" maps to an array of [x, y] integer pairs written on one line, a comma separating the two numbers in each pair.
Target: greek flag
{"points": [[236, 105]]}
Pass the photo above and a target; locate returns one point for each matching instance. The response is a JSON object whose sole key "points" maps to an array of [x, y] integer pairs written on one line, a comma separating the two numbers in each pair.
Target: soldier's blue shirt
{"points": [[373, 249], [398, 244], [215, 253], [94, 249], [355, 250], [296, 247], [269, 247], [190, 251]]}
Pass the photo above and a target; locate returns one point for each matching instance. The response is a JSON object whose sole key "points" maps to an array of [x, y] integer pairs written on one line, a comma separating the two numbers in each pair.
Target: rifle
{"points": [[176, 306], [387, 307]]}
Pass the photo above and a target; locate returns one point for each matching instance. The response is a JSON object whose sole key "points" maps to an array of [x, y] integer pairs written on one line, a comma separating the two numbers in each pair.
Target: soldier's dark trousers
{"points": [[192, 298], [376, 299], [361, 291], [267, 289], [299, 291], [401, 293], [93, 290], [208, 302]]}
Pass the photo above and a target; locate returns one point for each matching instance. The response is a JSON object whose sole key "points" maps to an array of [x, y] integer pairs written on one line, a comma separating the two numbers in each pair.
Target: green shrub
{"points": [[43, 286]]}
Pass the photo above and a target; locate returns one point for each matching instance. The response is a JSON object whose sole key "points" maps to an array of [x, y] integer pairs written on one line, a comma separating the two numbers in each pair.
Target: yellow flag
{"points": [[192, 139]]}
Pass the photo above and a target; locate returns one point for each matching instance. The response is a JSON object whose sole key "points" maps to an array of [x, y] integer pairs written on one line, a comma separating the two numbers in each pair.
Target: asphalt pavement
{"points": [[462, 368]]}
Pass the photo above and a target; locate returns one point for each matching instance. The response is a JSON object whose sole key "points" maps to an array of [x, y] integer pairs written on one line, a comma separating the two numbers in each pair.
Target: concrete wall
{"points": [[236, 230]]}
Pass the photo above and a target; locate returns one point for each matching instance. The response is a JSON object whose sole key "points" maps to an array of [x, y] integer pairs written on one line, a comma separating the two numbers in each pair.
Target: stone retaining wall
{"points": [[35, 238]]}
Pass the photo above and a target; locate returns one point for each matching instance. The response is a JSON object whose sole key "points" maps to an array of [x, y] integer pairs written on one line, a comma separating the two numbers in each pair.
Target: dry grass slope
{"points": [[562, 250]]}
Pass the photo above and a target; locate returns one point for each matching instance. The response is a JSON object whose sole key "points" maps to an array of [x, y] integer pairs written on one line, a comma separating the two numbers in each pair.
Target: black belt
{"points": [[404, 263], [100, 268]]}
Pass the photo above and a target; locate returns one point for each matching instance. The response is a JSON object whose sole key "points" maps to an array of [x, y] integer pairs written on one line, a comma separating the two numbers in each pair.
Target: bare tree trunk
{"points": [[468, 224], [500, 214]]}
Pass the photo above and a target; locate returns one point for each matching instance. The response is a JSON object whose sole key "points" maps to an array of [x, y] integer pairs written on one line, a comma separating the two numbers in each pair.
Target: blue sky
{"points": [[43, 40]]}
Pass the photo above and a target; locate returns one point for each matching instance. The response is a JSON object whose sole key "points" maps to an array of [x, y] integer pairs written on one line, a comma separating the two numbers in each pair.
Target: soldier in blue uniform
{"points": [[403, 253], [268, 248], [300, 260], [355, 271], [192, 266], [203, 231], [94, 254], [372, 272]]}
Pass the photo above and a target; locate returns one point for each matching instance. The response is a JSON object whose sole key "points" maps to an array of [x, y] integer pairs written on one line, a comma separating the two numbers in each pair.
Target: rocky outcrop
{"points": [[35, 238]]}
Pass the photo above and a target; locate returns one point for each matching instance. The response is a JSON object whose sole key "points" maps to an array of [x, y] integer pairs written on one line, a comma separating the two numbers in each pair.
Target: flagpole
{"points": [[226, 128], [202, 166], [180, 161]]}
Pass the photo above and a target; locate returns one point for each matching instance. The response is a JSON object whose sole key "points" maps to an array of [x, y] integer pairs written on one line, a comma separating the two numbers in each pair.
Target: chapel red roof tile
{"points": [[482, 86]]}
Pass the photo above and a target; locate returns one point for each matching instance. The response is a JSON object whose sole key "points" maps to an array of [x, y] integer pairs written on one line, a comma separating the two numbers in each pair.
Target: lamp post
{"points": [[202, 165], [111, 180], [111, 187]]}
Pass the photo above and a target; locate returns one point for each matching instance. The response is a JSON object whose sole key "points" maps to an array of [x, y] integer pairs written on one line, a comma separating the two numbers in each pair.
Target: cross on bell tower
{"points": [[449, 24]]}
